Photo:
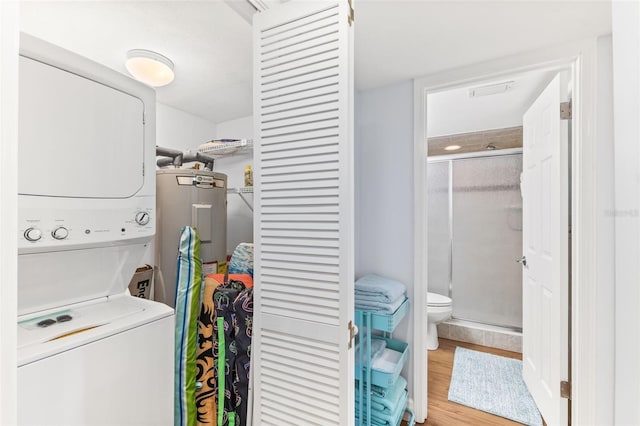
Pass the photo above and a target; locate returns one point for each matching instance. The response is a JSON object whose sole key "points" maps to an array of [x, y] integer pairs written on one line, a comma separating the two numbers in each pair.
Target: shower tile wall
{"points": [[479, 334], [475, 237]]}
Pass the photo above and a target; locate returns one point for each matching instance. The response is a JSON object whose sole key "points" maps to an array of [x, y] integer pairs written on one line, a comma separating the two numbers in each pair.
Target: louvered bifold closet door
{"points": [[303, 228]]}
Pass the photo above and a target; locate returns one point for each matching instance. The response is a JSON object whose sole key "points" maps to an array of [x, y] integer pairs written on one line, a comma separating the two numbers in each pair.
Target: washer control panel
{"points": [[41, 228]]}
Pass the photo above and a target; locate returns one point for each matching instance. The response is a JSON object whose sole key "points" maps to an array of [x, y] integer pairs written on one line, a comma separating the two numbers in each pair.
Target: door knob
{"points": [[523, 260]]}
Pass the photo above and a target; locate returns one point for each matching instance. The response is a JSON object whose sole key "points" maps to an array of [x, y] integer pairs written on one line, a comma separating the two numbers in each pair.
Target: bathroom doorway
{"points": [[475, 136]]}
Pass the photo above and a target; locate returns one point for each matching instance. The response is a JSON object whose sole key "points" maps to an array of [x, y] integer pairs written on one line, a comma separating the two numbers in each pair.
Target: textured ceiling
{"points": [[395, 40]]}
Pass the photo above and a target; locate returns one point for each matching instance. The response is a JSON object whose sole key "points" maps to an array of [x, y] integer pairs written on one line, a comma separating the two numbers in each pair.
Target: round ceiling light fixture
{"points": [[149, 67], [452, 147]]}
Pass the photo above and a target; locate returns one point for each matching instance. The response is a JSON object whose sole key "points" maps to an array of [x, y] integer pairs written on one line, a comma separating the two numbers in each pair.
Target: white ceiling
{"points": [[395, 40], [399, 40], [453, 112]]}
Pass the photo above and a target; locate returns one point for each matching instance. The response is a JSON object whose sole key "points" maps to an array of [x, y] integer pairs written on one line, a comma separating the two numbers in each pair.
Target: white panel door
{"points": [[545, 246], [304, 207]]}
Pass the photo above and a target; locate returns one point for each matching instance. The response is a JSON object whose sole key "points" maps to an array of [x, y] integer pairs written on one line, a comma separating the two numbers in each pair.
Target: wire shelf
{"points": [[226, 147]]}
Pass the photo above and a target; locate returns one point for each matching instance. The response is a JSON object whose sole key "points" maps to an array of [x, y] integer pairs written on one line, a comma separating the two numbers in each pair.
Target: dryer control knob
{"points": [[33, 234], [60, 233], [142, 218]]}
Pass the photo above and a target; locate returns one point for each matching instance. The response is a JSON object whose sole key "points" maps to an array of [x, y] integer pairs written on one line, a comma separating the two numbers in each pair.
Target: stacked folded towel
{"points": [[392, 396], [386, 410], [379, 294]]}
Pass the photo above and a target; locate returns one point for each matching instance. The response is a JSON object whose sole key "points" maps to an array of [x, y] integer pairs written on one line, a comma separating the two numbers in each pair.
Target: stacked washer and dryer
{"points": [[89, 203], [88, 352]]}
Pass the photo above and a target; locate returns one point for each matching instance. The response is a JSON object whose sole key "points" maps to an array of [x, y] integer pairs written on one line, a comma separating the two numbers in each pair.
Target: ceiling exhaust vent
{"points": [[490, 89]]}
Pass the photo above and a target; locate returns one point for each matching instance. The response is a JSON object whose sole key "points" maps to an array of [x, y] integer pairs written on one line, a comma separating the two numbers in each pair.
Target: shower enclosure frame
{"points": [[463, 156]]}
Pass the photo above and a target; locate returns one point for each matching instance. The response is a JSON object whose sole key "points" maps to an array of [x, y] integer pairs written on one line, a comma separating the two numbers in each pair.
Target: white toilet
{"points": [[438, 310]]}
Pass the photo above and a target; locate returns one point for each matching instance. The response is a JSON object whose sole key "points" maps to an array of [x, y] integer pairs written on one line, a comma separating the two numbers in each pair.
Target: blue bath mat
{"points": [[493, 384]]}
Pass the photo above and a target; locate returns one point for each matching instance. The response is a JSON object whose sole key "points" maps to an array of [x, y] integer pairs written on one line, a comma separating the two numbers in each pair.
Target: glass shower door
{"points": [[486, 240], [439, 227]]}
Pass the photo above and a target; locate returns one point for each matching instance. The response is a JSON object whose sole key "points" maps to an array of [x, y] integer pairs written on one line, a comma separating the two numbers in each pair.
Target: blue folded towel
{"points": [[390, 402], [374, 298], [375, 285], [381, 307], [385, 418]]}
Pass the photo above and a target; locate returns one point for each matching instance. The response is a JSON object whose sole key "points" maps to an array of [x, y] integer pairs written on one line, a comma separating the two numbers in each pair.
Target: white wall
{"points": [[626, 74], [384, 192], [239, 216], [180, 130], [8, 215]]}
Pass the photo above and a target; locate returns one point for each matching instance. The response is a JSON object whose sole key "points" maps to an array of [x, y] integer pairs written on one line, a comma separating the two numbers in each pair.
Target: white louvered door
{"points": [[303, 220]]}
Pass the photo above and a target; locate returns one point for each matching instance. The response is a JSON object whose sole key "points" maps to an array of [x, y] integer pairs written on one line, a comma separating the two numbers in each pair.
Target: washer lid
{"points": [[58, 330], [435, 299]]}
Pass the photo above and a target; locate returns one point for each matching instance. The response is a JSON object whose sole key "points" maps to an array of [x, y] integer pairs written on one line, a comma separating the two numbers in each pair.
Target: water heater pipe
{"points": [[177, 158]]}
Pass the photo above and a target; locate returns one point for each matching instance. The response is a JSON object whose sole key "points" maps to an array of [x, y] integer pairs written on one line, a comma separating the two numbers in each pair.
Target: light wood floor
{"points": [[443, 412]]}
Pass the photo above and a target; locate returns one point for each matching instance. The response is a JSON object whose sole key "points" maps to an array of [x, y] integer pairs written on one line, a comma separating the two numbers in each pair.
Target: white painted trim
{"points": [[9, 37], [587, 356], [420, 369], [626, 99]]}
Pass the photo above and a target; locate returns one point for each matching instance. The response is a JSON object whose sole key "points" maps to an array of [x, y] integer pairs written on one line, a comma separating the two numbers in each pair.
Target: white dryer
{"points": [[88, 352]]}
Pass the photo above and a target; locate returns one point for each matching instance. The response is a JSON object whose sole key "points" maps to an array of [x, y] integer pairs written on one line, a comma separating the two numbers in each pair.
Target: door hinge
{"points": [[351, 16], [565, 110], [565, 389], [353, 331]]}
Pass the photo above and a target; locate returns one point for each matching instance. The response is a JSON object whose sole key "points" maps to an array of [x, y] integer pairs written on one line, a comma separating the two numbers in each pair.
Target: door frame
{"points": [[591, 363]]}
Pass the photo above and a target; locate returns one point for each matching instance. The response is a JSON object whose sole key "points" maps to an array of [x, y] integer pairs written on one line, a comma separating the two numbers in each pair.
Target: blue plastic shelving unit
{"points": [[366, 377]]}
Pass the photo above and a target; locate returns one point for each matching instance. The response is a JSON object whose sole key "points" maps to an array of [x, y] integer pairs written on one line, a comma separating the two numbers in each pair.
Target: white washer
{"points": [[117, 372], [88, 352]]}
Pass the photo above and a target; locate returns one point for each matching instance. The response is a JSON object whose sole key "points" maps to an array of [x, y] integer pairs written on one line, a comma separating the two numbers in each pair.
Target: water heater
{"points": [[196, 198]]}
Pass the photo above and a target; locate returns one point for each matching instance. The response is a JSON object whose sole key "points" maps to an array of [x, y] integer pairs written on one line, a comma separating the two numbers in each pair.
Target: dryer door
{"points": [[64, 120]]}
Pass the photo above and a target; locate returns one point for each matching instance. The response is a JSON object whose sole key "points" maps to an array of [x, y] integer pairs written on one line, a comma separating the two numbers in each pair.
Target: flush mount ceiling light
{"points": [[452, 147], [149, 67], [491, 89]]}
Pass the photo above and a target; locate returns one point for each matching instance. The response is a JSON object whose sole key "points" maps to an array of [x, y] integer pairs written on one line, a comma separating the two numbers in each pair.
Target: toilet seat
{"points": [[435, 299]]}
